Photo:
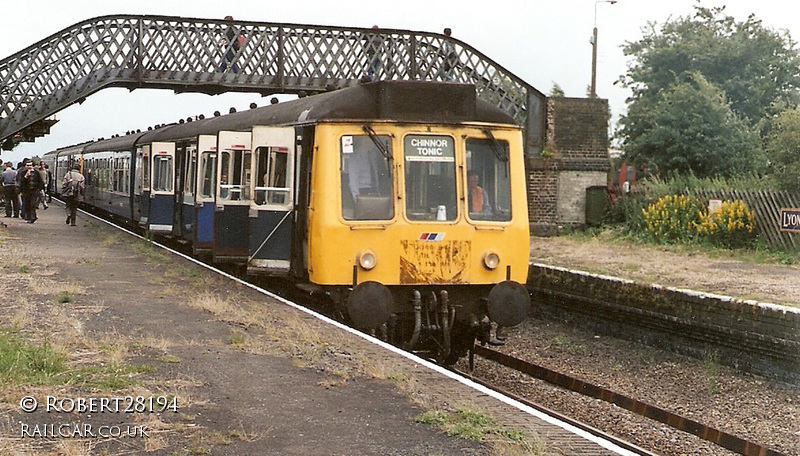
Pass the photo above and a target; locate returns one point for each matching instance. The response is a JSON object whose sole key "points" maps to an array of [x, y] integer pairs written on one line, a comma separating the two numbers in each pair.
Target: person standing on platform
{"points": [[72, 190], [9, 178], [45, 184], [31, 185], [20, 171]]}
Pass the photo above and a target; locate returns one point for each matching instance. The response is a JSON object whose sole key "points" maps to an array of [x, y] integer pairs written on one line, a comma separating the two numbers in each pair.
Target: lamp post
{"points": [[593, 91]]}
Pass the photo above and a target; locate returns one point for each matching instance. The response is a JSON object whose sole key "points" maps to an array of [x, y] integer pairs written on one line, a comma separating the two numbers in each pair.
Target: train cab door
{"points": [[185, 175], [231, 210], [204, 195], [273, 200], [162, 187], [143, 179]]}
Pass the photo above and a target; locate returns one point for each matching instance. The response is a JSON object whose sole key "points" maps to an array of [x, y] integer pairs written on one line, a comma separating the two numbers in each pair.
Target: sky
{"points": [[542, 42]]}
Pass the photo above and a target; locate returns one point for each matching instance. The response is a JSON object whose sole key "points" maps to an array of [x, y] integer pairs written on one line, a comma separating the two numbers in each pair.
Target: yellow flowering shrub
{"points": [[682, 218], [673, 218], [735, 225]]}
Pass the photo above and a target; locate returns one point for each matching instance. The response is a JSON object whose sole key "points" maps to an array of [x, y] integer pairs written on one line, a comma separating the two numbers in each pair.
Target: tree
{"points": [[556, 91], [689, 127], [755, 69], [783, 149]]}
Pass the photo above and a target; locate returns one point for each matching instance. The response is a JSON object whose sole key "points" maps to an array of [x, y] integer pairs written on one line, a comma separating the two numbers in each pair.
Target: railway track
{"points": [[716, 436]]}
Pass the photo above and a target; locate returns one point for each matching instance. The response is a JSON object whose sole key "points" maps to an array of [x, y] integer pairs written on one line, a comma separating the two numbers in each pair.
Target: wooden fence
{"points": [[766, 205]]}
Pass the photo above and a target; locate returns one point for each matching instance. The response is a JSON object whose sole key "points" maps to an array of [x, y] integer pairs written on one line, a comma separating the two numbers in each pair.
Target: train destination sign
{"points": [[429, 148], [790, 220]]}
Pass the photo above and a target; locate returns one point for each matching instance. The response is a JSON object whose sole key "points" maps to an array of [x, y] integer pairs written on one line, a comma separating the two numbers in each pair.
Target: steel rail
{"points": [[716, 436]]}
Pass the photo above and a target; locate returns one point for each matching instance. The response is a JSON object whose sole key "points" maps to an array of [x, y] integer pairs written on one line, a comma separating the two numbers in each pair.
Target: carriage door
{"points": [[204, 194], [231, 210], [162, 187], [272, 204]]}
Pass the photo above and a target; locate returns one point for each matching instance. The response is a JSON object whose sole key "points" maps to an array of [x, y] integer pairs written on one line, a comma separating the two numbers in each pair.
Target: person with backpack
{"points": [[72, 188]]}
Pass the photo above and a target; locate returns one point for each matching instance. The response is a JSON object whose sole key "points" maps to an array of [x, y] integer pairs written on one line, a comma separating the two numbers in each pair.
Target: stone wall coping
{"points": [[693, 293]]}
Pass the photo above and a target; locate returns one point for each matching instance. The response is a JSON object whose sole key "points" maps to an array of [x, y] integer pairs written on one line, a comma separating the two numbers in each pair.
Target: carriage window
{"points": [[234, 180], [430, 177], [272, 169], [208, 170], [162, 173], [366, 177], [488, 184]]}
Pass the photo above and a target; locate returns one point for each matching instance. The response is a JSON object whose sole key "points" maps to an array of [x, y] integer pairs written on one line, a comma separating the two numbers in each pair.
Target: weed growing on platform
{"points": [[24, 363], [237, 338], [146, 248], [474, 425], [65, 297]]}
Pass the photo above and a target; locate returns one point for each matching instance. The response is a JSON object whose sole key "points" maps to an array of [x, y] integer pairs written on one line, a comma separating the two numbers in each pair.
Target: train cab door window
{"points": [[366, 177], [430, 174], [162, 173], [488, 186], [146, 168], [191, 173], [234, 180], [208, 173], [272, 172]]}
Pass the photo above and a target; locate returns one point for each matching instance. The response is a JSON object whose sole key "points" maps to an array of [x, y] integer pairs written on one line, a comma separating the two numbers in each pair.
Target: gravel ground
{"points": [[747, 406]]}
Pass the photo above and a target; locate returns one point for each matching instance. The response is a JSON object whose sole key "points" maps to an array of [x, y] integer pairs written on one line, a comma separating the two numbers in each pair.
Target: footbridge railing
{"points": [[216, 56]]}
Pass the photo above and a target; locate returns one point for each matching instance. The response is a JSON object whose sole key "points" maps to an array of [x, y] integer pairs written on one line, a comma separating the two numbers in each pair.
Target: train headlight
{"points": [[491, 260], [367, 259]]}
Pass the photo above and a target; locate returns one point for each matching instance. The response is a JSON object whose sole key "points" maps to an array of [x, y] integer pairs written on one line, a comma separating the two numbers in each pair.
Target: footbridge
{"points": [[217, 56]]}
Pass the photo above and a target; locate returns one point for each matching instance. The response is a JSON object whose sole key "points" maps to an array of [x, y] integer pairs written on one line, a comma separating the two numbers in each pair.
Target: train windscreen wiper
{"points": [[387, 154], [499, 151]]}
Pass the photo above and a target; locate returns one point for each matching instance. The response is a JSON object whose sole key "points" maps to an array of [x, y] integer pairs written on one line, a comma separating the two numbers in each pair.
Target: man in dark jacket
{"points": [[10, 190], [31, 184]]}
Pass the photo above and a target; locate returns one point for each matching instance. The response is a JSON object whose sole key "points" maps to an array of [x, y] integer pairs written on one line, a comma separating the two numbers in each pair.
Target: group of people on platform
{"points": [[30, 185]]}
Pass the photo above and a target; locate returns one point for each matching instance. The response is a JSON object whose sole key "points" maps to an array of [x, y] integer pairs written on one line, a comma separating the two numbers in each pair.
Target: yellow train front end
{"points": [[421, 229]]}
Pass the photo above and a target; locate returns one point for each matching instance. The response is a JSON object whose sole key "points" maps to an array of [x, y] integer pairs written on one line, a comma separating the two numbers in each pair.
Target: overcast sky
{"points": [[542, 42]]}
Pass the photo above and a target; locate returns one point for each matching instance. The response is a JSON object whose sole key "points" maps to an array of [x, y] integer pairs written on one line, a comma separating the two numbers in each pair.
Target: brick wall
{"points": [[575, 157], [755, 337]]}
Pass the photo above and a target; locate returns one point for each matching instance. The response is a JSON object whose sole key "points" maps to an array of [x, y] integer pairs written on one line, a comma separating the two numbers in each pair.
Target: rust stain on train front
{"points": [[423, 262]]}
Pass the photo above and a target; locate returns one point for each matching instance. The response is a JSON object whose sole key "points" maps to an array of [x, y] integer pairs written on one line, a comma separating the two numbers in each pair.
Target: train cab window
{"points": [[234, 180], [488, 186], [162, 173], [208, 172], [366, 177], [430, 172], [272, 169]]}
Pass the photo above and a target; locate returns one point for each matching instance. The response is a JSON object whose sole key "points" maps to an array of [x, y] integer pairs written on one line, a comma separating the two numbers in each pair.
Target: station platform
{"points": [[249, 374]]}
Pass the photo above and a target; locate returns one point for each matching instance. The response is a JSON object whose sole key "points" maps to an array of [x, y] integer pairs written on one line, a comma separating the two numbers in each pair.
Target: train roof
{"points": [[409, 101], [127, 142], [403, 101]]}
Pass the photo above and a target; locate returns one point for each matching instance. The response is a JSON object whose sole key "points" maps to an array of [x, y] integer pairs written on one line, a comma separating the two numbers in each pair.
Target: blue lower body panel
{"points": [[231, 233], [161, 213]]}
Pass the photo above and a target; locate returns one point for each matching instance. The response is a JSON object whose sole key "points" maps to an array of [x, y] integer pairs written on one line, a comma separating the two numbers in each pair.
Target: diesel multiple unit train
{"points": [[404, 201]]}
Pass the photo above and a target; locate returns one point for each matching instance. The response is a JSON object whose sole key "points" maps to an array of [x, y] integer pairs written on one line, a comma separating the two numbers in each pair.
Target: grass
{"points": [[711, 364], [23, 363], [477, 426]]}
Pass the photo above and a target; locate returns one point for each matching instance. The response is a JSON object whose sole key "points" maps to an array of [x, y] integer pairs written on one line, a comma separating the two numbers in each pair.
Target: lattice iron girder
{"points": [[189, 55]]}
